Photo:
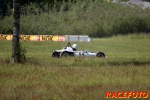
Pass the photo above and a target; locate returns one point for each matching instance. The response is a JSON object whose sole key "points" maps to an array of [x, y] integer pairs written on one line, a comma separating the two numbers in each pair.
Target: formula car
{"points": [[72, 51]]}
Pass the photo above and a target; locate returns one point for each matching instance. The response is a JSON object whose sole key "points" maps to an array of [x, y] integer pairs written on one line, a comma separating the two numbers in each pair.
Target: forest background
{"points": [[96, 18]]}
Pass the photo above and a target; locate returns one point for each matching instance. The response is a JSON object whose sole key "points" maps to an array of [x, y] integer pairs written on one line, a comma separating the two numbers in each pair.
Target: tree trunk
{"points": [[16, 31]]}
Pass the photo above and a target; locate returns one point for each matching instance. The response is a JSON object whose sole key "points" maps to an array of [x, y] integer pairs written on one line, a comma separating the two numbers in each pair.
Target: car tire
{"points": [[100, 54], [64, 54], [55, 54]]}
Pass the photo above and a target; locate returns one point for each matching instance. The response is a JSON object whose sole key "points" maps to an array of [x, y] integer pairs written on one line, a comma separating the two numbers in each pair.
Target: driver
{"points": [[74, 47]]}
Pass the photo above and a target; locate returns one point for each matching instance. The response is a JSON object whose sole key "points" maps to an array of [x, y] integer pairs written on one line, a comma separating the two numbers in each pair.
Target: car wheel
{"points": [[100, 54], [64, 54], [55, 54]]}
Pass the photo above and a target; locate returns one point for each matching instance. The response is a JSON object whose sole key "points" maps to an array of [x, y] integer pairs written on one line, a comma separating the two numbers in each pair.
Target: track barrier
{"points": [[59, 38]]}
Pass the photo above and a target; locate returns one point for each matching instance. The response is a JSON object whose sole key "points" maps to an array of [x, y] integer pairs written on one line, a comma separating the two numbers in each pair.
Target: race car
{"points": [[72, 51]]}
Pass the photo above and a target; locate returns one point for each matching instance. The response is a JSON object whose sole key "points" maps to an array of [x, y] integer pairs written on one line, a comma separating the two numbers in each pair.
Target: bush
{"points": [[20, 56]]}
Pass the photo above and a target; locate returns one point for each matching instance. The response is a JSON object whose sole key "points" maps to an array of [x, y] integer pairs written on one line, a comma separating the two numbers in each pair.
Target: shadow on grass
{"points": [[77, 62], [129, 63]]}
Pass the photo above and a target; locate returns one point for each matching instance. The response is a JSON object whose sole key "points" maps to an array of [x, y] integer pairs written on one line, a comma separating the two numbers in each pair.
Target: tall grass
{"points": [[127, 68], [95, 18]]}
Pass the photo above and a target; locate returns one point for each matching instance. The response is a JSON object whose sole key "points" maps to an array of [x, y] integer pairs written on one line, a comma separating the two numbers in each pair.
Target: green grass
{"points": [[127, 68]]}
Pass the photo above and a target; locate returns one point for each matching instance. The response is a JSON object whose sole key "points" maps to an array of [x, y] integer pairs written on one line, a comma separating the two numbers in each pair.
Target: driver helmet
{"points": [[74, 46]]}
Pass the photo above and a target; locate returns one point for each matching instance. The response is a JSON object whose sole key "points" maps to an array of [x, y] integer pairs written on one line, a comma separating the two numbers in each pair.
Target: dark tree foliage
{"points": [[4, 4], [3, 7]]}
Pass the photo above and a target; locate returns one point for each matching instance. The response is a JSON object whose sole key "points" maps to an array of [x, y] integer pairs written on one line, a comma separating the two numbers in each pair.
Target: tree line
{"points": [[84, 17], [6, 4]]}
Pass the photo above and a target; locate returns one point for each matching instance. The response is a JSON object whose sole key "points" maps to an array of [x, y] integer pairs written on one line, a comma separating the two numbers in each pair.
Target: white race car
{"points": [[72, 51]]}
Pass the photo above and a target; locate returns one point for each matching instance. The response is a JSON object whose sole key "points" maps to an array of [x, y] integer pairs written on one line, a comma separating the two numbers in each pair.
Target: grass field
{"points": [[126, 68]]}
